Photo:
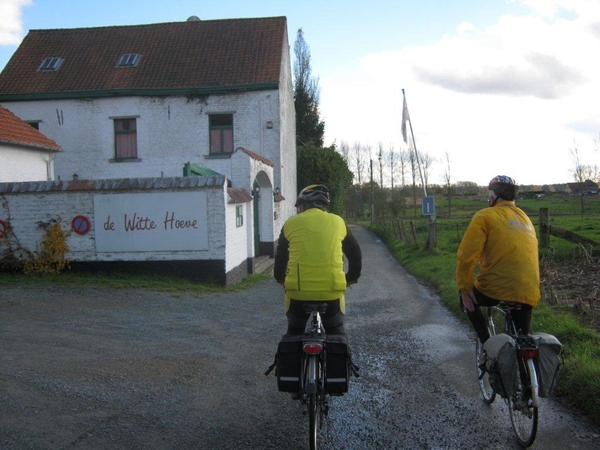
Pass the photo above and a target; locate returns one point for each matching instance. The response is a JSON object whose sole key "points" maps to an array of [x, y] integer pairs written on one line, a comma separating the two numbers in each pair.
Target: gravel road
{"points": [[100, 368]]}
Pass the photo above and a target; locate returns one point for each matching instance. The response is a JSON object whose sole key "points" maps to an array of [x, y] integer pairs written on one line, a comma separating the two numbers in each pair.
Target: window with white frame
{"points": [[128, 60], [50, 64]]}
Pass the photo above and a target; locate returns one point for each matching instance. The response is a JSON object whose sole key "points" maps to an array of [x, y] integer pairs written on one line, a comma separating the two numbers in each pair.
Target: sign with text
{"points": [[165, 221]]}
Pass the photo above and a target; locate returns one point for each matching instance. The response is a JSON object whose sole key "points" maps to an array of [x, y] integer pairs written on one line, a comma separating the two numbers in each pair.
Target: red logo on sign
{"points": [[80, 225]]}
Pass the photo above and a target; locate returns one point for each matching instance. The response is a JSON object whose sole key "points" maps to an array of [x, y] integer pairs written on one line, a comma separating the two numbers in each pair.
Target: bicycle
{"points": [[312, 366], [523, 402], [312, 381]]}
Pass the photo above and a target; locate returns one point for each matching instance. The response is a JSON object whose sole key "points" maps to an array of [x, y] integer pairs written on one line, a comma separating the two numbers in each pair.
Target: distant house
{"points": [[588, 187], [194, 98], [25, 153], [144, 100]]}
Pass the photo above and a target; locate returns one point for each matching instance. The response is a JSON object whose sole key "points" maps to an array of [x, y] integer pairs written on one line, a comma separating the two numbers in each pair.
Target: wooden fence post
{"points": [[544, 228], [403, 231], [414, 232]]}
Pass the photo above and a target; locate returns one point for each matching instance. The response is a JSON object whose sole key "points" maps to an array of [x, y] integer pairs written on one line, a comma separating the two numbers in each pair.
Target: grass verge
{"points": [[123, 281], [579, 380]]}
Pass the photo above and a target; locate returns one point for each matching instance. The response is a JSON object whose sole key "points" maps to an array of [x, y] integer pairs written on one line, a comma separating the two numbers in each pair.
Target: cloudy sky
{"points": [[500, 86]]}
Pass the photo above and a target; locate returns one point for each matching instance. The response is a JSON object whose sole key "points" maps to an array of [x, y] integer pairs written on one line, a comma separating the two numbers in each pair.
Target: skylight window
{"points": [[129, 60], [50, 64]]}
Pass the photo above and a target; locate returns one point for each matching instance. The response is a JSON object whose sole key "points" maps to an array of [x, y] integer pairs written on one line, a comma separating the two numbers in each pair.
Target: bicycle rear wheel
{"points": [[523, 415], [313, 418], [488, 393], [313, 376]]}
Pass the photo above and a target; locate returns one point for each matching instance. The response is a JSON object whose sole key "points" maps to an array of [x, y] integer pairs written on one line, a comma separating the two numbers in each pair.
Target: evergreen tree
{"points": [[318, 165], [310, 129]]}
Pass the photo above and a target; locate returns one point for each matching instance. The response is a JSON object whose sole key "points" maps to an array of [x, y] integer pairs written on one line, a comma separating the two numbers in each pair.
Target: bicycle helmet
{"points": [[504, 187], [315, 195]]}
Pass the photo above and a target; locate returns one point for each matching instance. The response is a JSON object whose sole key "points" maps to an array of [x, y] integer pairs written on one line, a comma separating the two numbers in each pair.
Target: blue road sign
{"points": [[428, 206]]}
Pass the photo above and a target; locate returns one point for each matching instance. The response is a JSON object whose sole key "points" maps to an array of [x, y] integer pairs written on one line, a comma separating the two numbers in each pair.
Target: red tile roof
{"points": [[14, 131], [191, 56], [256, 156]]}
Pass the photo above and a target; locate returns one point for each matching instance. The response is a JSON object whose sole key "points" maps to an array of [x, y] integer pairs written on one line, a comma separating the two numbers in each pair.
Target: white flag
{"points": [[405, 117]]}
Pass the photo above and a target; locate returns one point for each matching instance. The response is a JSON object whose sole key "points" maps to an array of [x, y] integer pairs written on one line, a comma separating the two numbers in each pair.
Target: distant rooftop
{"points": [[16, 132]]}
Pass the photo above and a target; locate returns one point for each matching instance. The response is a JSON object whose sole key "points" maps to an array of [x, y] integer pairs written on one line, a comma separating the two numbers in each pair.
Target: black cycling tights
{"points": [[521, 317], [333, 319]]}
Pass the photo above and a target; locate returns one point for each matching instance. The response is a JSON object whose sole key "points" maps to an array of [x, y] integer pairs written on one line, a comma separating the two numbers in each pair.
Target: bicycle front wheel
{"points": [[523, 413], [488, 393]]}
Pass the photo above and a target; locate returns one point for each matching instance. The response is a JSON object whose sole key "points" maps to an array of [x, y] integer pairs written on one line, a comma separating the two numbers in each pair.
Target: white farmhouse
{"points": [[209, 98]]}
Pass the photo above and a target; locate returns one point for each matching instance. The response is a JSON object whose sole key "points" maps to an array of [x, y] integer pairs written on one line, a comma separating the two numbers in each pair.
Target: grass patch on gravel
{"points": [[122, 281]]}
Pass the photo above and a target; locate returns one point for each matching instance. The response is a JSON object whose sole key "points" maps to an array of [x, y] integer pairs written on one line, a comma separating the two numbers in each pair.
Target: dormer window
{"points": [[128, 60], [50, 64]]}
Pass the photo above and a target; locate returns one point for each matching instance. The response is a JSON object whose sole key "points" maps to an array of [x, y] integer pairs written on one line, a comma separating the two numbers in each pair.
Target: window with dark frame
{"points": [[221, 133], [125, 139]]}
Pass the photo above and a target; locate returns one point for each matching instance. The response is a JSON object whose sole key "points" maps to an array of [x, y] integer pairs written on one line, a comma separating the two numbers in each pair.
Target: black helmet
{"points": [[504, 187], [315, 194]]}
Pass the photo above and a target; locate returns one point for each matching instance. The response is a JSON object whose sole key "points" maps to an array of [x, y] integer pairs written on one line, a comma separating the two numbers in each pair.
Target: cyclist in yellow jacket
{"points": [[309, 261], [500, 239]]}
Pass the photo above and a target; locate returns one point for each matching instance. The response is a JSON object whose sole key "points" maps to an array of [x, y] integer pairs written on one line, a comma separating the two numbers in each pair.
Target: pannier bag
{"points": [[548, 361], [501, 363], [288, 363], [337, 364]]}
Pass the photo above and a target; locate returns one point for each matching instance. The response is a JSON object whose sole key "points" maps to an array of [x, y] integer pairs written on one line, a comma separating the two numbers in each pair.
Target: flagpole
{"points": [[432, 239], [414, 144]]}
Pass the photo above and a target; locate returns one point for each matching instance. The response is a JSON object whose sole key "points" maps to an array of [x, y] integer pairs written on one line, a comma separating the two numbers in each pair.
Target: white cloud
{"points": [[11, 25], [511, 98]]}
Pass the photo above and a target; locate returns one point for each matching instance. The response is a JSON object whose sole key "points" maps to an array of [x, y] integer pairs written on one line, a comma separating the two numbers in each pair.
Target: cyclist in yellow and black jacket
{"points": [[500, 239], [309, 261]]}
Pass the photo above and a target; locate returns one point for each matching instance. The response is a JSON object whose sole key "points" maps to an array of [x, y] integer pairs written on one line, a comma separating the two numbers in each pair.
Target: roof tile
{"points": [[14, 131], [178, 55]]}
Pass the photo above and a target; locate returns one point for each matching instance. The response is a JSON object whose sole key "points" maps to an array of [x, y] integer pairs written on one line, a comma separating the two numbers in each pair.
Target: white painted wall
{"points": [[170, 132], [25, 210], [25, 164], [285, 170]]}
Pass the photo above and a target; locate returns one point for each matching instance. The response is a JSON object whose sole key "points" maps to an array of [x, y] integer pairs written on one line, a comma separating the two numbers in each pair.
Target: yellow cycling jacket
{"points": [[310, 256], [502, 240]]}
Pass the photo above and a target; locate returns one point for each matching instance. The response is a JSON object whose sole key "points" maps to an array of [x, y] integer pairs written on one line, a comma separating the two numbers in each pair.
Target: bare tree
{"points": [[447, 178], [404, 163], [414, 170], [578, 169], [380, 158], [344, 150], [426, 161], [359, 160], [391, 159]]}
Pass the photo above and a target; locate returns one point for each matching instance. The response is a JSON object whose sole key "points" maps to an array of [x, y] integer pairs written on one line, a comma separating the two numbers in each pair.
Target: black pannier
{"points": [[337, 364], [501, 363], [288, 359]]}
